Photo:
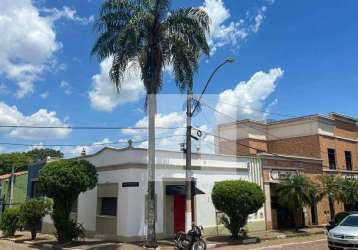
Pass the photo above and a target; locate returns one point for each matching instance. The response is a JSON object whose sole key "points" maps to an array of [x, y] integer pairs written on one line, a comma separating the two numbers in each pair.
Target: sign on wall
{"points": [[350, 176], [282, 174], [130, 184]]}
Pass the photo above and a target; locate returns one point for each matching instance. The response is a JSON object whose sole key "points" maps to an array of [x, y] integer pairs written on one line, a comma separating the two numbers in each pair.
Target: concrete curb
{"points": [[277, 237]]}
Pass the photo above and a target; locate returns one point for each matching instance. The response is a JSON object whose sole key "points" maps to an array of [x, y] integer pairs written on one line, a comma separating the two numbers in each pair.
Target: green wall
{"points": [[20, 189]]}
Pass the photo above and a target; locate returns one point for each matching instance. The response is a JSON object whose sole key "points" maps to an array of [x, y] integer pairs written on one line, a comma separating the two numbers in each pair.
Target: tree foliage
{"points": [[18, 160], [349, 192], [148, 32], [237, 199], [22, 160], [10, 221], [32, 211], [63, 181], [43, 153], [331, 186], [296, 192]]}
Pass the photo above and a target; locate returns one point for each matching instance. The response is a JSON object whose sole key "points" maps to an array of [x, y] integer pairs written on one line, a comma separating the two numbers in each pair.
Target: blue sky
{"points": [[292, 57]]}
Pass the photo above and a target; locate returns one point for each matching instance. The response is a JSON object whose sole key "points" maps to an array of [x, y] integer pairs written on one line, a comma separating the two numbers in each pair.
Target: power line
{"points": [[84, 127], [258, 110], [83, 145], [238, 143]]}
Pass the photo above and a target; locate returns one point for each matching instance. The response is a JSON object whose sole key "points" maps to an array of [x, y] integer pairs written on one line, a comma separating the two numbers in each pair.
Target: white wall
{"points": [[87, 209], [131, 200]]}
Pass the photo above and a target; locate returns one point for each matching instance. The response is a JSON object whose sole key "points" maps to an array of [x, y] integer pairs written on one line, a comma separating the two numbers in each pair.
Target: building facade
{"points": [[315, 144], [116, 208]]}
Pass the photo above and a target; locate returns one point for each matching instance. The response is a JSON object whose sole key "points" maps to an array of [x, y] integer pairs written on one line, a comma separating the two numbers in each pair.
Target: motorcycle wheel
{"points": [[199, 245]]}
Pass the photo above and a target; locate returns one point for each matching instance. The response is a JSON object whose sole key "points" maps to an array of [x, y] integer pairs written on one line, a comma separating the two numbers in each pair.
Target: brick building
{"points": [[310, 145]]}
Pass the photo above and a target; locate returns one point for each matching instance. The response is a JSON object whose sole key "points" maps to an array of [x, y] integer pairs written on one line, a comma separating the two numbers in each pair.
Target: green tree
{"points": [[237, 199], [32, 211], [20, 161], [331, 186], [149, 34], [63, 181], [349, 194], [296, 192], [43, 153], [10, 221]]}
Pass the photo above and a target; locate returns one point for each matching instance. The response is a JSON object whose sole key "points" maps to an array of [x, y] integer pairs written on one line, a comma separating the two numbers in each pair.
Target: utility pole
{"points": [[12, 186], [189, 218], [188, 194]]}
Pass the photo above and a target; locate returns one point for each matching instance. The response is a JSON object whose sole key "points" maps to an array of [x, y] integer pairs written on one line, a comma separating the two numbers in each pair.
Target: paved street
{"points": [[316, 242]]}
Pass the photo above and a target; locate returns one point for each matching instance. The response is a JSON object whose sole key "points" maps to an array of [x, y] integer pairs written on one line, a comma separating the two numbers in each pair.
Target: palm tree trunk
{"points": [[295, 218], [332, 210], [151, 208]]}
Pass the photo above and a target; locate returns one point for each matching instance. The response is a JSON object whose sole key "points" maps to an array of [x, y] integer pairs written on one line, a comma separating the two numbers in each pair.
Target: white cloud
{"points": [[10, 115], [92, 148], [247, 99], [259, 19], [166, 138], [66, 13], [28, 41], [104, 96], [45, 95], [89, 149], [66, 87], [225, 32]]}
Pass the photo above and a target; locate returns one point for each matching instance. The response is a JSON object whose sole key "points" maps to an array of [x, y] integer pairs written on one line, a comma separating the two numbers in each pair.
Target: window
{"points": [[108, 206], [332, 158], [348, 156]]}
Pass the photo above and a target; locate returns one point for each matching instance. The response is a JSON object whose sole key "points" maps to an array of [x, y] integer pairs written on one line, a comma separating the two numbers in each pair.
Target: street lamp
{"points": [[189, 220]]}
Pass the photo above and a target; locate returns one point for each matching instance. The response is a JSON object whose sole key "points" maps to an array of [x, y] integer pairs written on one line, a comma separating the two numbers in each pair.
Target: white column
{"points": [[268, 213]]}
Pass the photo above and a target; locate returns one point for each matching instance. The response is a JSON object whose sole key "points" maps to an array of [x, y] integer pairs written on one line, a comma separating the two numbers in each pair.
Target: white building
{"points": [[116, 207]]}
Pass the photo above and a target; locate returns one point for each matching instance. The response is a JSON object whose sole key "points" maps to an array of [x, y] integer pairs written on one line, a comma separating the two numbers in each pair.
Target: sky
{"points": [[292, 58]]}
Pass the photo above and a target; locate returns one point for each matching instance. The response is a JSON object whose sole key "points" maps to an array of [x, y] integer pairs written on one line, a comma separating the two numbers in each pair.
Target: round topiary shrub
{"points": [[63, 181], [10, 221], [237, 199]]}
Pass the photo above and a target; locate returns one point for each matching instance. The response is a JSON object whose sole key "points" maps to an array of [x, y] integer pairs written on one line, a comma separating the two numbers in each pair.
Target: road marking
{"points": [[290, 244]]}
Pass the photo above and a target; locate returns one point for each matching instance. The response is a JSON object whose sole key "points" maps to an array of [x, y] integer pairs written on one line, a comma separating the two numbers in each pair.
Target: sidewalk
{"points": [[45, 241], [219, 241]]}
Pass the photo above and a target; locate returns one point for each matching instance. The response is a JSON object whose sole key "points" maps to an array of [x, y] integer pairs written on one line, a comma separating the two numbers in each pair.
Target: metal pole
{"points": [[188, 211], [12, 186], [189, 218]]}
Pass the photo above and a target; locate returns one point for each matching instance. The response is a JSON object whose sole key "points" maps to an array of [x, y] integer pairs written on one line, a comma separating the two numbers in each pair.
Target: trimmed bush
{"points": [[10, 221], [237, 199], [32, 211], [63, 181]]}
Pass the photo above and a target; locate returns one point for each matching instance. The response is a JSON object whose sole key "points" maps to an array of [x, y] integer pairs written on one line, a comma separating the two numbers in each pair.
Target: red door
{"points": [[179, 213]]}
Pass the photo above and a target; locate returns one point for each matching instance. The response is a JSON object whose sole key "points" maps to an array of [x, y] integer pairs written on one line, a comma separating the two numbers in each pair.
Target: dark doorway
{"points": [[179, 213], [314, 213], [285, 217]]}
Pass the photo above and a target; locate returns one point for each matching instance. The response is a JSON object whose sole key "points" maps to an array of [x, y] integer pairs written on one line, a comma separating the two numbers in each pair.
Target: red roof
{"points": [[7, 176]]}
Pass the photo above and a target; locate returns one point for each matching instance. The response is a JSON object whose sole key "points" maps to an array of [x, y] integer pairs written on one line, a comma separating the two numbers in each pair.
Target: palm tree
{"points": [[349, 193], [331, 186], [147, 32], [295, 193]]}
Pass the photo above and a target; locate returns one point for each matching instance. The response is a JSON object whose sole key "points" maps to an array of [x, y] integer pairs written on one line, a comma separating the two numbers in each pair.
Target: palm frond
{"points": [[192, 25]]}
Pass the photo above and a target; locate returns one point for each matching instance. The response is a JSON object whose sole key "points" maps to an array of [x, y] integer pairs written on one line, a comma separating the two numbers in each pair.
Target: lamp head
{"points": [[230, 60]]}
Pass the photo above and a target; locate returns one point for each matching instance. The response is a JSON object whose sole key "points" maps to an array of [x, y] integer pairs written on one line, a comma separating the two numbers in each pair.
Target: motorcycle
{"points": [[193, 240]]}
